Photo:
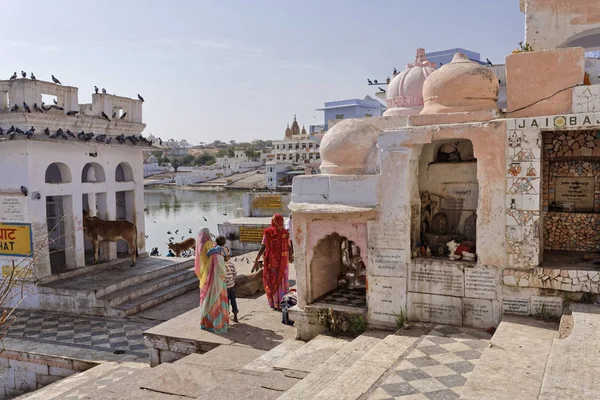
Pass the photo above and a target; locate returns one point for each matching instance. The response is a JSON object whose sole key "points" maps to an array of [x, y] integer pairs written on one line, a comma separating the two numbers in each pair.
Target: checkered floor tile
{"points": [[95, 333], [346, 297], [437, 368]]}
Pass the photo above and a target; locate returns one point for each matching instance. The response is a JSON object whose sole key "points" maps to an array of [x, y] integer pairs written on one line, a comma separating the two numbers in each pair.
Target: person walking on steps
{"points": [[230, 280]]}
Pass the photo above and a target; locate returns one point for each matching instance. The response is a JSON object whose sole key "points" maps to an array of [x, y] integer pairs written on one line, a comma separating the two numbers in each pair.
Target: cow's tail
{"points": [[135, 241]]}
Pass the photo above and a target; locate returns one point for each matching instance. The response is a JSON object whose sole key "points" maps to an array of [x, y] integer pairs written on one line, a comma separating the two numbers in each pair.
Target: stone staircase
{"points": [[120, 290]]}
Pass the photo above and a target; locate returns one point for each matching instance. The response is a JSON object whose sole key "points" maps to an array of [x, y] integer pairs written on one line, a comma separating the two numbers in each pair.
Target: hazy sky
{"points": [[241, 69]]}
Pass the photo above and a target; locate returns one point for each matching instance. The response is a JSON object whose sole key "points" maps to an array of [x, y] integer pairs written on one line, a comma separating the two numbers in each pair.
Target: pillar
{"points": [[78, 234], [107, 210], [69, 232]]}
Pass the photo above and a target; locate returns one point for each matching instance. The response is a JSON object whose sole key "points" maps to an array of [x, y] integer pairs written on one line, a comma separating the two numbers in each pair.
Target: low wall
{"points": [[266, 204], [22, 372]]}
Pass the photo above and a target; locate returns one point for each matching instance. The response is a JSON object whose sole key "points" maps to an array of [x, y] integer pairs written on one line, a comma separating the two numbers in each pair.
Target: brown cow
{"points": [[97, 229], [177, 248]]}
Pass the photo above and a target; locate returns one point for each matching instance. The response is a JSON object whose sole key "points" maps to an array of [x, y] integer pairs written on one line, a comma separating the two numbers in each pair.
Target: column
{"points": [[107, 210], [78, 234], [69, 232]]}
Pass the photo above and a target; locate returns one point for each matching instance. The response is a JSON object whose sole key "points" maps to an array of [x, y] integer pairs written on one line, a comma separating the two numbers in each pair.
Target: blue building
{"points": [[344, 109], [444, 57]]}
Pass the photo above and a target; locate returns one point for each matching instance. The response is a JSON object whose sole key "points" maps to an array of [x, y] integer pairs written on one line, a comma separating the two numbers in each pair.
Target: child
{"points": [[231, 274]]}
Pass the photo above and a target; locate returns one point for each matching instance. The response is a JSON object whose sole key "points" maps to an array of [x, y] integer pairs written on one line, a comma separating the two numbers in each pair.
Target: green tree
{"points": [[175, 163], [230, 152], [204, 159], [188, 159], [163, 160], [157, 153]]}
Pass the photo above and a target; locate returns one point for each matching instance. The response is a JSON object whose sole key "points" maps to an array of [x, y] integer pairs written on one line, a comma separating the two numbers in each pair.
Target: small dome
{"points": [[303, 132], [295, 127], [405, 91], [461, 86], [350, 148], [288, 131]]}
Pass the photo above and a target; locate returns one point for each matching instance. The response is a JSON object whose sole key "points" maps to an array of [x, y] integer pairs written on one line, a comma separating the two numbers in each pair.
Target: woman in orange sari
{"points": [[277, 255], [210, 269]]}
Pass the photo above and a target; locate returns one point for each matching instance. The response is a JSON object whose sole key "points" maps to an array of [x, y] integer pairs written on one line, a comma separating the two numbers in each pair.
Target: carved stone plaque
{"points": [[577, 191], [460, 196]]}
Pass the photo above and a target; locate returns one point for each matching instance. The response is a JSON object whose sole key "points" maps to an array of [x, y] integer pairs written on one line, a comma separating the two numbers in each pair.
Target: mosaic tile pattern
{"points": [[346, 297], [437, 368], [94, 333]]}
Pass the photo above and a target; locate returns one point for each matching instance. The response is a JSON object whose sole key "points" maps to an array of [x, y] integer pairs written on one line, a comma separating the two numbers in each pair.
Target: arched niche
{"points": [[58, 173], [123, 172], [93, 173]]}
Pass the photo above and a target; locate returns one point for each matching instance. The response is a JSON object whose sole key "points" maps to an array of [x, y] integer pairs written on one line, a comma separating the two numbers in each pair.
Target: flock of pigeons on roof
{"points": [[60, 133]]}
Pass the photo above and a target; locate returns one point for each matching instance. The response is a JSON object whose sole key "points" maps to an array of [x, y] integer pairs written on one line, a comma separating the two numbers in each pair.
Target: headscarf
{"points": [[203, 244]]}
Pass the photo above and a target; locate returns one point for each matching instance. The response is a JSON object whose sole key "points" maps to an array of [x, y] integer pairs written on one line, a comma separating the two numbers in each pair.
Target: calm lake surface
{"points": [[171, 210]]}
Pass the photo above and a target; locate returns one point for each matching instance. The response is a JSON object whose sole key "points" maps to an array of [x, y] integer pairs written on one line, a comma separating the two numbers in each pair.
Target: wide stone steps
{"points": [[145, 287], [513, 366], [154, 297], [83, 384]]}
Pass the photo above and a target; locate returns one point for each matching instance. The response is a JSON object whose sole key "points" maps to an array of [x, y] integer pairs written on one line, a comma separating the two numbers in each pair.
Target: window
{"points": [[368, 115], [297, 146], [278, 157], [318, 156], [317, 146], [289, 146], [310, 145], [339, 116], [303, 145]]}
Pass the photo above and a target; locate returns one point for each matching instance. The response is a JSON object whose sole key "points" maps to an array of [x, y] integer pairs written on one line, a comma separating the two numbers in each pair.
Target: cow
{"points": [[97, 229], [177, 248]]}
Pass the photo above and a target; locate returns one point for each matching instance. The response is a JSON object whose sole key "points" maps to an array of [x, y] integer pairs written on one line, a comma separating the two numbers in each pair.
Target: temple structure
{"points": [[60, 160], [451, 210]]}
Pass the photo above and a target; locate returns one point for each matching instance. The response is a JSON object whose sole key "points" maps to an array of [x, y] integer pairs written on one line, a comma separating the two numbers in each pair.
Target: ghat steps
{"points": [[120, 290]]}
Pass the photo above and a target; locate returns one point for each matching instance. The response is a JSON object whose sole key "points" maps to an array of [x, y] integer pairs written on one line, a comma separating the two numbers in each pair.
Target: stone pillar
{"points": [[69, 232], [301, 257], [78, 234], [137, 210], [107, 210]]}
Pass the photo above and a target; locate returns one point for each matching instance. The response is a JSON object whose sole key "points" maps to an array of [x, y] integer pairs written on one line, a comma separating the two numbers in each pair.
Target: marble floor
{"points": [[346, 297], [436, 368]]}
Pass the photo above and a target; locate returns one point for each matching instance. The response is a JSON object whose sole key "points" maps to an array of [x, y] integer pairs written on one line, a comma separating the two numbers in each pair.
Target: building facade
{"points": [[344, 109]]}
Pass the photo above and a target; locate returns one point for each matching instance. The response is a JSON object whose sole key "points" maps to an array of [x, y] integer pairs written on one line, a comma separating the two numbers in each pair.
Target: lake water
{"points": [[182, 210]]}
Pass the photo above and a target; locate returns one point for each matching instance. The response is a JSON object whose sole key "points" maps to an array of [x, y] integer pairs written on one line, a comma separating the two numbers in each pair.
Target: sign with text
{"points": [[267, 202], [16, 240], [251, 235], [13, 209], [578, 191]]}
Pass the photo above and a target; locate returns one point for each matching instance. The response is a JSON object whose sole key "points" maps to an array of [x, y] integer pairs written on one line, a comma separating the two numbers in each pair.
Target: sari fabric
{"points": [[203, 244], [276, 261], [214, 303]]}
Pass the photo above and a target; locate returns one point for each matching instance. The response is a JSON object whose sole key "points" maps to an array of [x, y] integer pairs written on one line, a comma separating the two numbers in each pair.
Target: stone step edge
{"points": [[309, 344], [355, 381], [121, 295], [332, 368], [154, 298], [273, 355]]}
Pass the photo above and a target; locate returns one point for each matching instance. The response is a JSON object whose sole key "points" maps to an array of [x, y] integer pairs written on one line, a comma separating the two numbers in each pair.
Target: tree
{"points": [[157, 153], [221, 153], [230, 152], [252, 154], [175, 163], [204, 159], [163, 160], [187, 159], [232, 142]]}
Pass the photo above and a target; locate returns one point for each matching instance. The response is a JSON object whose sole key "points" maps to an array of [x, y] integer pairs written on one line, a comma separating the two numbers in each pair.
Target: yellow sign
{"points": [[15, 240], [251, 235], [25, 272], [268, 201]]}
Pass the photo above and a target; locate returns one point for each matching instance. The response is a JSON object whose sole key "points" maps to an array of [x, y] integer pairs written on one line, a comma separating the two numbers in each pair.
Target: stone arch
{"points": [[93, 172], [124, 172], [588, 39], [58, 172]]}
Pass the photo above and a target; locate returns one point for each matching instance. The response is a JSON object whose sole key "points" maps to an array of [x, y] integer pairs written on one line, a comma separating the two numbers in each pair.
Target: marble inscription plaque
{"points": [[388, 262], [433, 308], [386, 298], [576, 191], [462, 195], [552, 305], [388, 235], [515, 306], [436, 279], [478, 313], [13, 209], [480, 283]]}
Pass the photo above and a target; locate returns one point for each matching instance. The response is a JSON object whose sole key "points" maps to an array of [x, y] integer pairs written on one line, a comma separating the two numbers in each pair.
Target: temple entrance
{"points": [[449, 194], [571, 198], [338, 273]]}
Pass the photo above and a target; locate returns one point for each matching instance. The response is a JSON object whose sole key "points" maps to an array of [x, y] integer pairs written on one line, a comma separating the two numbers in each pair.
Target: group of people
{"points": [[217, 275]]}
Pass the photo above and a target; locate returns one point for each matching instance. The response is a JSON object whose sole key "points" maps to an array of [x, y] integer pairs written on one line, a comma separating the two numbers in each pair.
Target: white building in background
{"points": [[55, 176]]}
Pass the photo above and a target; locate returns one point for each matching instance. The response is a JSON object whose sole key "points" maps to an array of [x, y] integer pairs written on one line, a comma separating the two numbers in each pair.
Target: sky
{"points": [[239, 69]]}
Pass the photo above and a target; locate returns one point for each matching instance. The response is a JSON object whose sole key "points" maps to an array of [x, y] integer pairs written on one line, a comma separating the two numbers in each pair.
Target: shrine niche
{"points": [[449, 195], [571, 191]]}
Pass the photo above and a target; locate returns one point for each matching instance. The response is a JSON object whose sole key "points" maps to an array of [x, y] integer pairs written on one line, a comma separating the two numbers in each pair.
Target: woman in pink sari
{"points": [[211, 271]]}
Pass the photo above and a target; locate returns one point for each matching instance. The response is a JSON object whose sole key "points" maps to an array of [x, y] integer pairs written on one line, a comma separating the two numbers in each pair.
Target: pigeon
{"points": [[57, 108], [160, 141], [140, 98], [96, 89], [30, 132], [89, 136], [395, 71], [62, 134], [146, 236], [171, 238], [19, 130], [1, 131], [32, 76], [11, 130], [370, 82], [105, 116], [224, 213], [375, 81], [387, 80], [235, 259], [169, 233], [123, 116], [81, 135], [24, 190], [26, 107], [71, 134], [23, 74], [382, 90], [205, 218], [100, 138], [189, 230], [37, 108], [47, 131], [54, 135], [55, 102], [45, 108], [489, 62], [13, 76], [114, 115], [109, 140], [121, 139], [103, 91], [177, 231], [11, 136], [14, 108], [55, 80], [183, 237], [73, 113]]}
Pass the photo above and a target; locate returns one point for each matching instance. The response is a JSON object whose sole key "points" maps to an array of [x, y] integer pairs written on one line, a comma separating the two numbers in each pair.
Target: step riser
{"points": [[142, 278], [150, 288], [151, 303]]}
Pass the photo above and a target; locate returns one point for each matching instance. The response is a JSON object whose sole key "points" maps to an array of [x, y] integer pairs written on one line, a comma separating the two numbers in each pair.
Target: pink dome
{"points": [[405, 91]]}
